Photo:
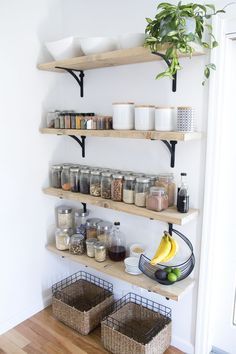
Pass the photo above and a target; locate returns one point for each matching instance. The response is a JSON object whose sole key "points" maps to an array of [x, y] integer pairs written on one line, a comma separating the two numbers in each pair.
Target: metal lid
{"points": [[104, 226], [92, 222], [63, 209], [142, 180], [157, 189], [74, 169], [95, 172], [66, 167], [91, 241], [151, 177], [117, 175], [78, 237], [56, 167], [116, 223], [166, 176], [106, 174], [85, 170], [129, 178], [183, 174], [81, 213], [100, 245]]}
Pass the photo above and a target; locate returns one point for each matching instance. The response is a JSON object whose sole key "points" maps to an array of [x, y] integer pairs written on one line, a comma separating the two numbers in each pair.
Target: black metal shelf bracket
{"points": [[171, 147], [80, 142], [80, 79], [168, 62]]}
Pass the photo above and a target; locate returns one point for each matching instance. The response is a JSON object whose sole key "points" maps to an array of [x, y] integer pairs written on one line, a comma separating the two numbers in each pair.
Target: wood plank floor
{"points": [[42, 333]]}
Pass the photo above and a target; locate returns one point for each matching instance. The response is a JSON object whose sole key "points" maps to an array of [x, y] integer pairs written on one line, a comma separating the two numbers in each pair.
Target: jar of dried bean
{"points": [[157, 199], [106, 185], [95, 183], [91, 227], [84, 184], [166, 180], [128, 189], [62, 237], [56, 176], [100, 251], [65, 178], [64, 217], [104, 229], [77, 244], [141, 189], [117, 187], [74, 179]]}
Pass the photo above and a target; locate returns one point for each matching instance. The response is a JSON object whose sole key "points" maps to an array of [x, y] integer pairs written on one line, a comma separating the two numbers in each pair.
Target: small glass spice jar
{"points": [[62, 120], [77, 244], [128, 189], [106, 185], [65, 178], [117, 187], [91, 227], [64, 217], [55, 172], [157, 199], [141, 189], [74, 179], [80, 221], [84, 182], [100, 251], [90, 247], [104, 229], [95, 183], [62, 237], [166, 180]]}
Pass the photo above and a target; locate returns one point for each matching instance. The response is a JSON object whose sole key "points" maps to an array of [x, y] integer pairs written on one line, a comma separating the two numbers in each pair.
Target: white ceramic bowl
{"points": [[95, 45], [131, 40], [136, 249], [64, 48]]}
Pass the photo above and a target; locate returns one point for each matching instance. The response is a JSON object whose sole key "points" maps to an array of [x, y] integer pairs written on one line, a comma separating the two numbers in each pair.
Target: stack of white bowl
{"points": [[131, 265]]}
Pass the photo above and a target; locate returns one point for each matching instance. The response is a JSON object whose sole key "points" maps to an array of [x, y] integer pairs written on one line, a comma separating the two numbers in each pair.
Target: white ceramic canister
{"points": [[144, 117], [185, 119], [123, 116], [165, 118]]}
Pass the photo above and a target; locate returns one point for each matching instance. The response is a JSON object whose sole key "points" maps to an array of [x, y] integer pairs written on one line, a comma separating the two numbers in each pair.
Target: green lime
{"points": [[177, 272], [168, 270], [172, 277]]}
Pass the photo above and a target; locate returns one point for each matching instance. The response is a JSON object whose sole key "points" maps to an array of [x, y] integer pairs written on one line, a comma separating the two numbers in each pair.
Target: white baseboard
{"points": [[179, 343]]}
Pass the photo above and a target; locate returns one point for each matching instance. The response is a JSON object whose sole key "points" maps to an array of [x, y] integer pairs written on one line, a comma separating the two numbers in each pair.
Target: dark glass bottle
{"points": [[183, 196], [116, 248]]}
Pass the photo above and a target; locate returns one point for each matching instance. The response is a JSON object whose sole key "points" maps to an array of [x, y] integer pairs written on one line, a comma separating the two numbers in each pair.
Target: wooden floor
{"points": [[42, 333]]}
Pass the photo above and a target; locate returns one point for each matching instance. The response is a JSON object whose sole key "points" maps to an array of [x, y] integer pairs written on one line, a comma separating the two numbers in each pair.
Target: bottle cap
{"points": [[183, 174], [117, 223]]}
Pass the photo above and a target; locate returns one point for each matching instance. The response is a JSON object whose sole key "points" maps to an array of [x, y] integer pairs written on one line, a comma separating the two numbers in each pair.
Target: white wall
{"points": [[39, 91]]}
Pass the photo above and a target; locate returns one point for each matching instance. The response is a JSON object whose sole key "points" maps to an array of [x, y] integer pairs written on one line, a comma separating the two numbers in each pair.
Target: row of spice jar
{"points": [[155, 192], [73, 120]]}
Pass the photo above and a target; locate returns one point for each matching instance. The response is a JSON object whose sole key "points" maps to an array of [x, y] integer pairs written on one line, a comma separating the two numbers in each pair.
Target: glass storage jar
{"points": [[56, 176], [74, 179], [100, 251], [80, 221], [95, 183], [157, 199], [116, 244], [141, 189], [77, 244], [166, 180], [90, 247], [128, 189], [117, 187], [64, 217], [104, 229], [62, 237], [153, 179], [91, 227], [65, 178], [106, 185], [84, 182]]}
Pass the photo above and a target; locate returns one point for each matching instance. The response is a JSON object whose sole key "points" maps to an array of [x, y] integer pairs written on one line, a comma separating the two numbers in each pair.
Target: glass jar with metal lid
{"points": [[91, 227], [81, 217], [90, 247], [74, 178], [55, 176], [141, 189], [166, 180], [106, 185], [104, 229], [95, 183], [157, 199], [128, 189], [77, 244], [84, 183], [100, 251], [62, 237], [117, 187], [64, 217], [153, 179], [65, 178]]}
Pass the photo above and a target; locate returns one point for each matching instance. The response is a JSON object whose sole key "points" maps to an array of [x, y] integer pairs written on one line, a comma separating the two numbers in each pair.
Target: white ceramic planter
{"points": [[123, 116]]}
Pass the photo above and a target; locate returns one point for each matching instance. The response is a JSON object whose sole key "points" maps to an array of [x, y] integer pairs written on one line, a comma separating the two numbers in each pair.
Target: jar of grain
{"points": [[117, 187], [166, 180], [77, 244], [141, 189], [74, 179], [90, 247], [123, 116], [144, 117], [95, 183], [64, 217], [62, 237], [55, 174], [100, 251], [65, 177], [84, 181], [106, 185], [80, 221], [157, 199], [91, 227], [104, 229], [128, 189]]}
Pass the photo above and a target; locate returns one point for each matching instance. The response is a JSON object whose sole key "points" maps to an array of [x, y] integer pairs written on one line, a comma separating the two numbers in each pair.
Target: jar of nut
{"points": [[117, 187], [77, 244], [141, 189], [106, 185], [95, 183], [100, 251]]}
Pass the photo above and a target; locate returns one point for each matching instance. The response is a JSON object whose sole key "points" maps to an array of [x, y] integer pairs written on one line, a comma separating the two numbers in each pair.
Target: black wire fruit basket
{"points": [[185, 267]]}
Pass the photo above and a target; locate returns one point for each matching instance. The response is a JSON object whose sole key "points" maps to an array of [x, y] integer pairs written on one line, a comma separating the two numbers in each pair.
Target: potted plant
{"points": [[177, 28]]}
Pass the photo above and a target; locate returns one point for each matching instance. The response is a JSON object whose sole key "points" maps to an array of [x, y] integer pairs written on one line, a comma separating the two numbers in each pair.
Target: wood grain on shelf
{"points": [[170, 215], [130, 134], [117, 270], [114, 58]]}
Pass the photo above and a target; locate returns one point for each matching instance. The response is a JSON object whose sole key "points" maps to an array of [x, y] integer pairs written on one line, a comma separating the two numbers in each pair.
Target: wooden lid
{"points": [[144, 106], [122, 103], [164, 107], [185, 107]]}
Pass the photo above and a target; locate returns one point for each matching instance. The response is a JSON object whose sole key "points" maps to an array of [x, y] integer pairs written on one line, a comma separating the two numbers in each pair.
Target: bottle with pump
{"points": [[183, 196], [116, 247]]}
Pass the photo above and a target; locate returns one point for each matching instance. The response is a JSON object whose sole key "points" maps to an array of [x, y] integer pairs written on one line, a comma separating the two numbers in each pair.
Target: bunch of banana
{"points": [[166, 251]]}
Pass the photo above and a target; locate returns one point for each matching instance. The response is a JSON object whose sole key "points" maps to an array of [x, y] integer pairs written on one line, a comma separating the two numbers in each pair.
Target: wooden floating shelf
{"points": [[170, 215], [117, 270], [114, 58], [129, 134]]}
